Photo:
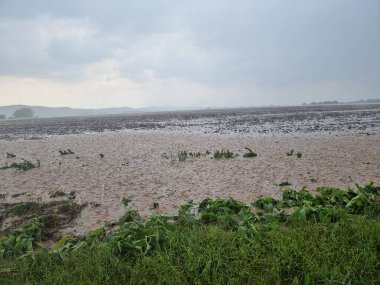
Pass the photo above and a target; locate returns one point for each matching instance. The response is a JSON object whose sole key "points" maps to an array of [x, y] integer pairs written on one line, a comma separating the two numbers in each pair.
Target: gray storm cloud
{"points": [[188, 53]]}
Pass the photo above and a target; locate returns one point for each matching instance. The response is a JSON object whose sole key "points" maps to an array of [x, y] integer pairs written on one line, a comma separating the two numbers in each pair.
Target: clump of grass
{"points": [[24, 165], [299, 154], [250, 153], [10, 155], [20, 209], [156, 205], [66, 152], [68, 207], [224, 153]]}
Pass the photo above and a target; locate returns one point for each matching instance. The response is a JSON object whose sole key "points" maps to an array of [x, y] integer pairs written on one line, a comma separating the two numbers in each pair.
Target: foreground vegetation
{"points": [[330, 238]]}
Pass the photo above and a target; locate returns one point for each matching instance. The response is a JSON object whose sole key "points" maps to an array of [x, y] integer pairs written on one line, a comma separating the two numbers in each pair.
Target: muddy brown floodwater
{"points": [[340, 146]]}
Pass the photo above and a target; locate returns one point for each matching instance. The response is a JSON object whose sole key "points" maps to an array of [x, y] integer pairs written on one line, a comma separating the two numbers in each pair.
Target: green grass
{"points": [[330, 238]]}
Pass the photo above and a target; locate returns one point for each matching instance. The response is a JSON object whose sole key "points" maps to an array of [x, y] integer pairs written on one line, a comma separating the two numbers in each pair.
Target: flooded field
{"points": [[268, 121], [82, 161]]}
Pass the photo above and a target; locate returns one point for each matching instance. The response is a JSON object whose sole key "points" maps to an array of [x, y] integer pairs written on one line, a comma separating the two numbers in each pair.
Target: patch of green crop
{"points": [[21, 240], [266, 203]]}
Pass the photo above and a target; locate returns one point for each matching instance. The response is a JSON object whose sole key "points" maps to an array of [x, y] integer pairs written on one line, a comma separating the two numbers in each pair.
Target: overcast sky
{"points": [[188, 53]]}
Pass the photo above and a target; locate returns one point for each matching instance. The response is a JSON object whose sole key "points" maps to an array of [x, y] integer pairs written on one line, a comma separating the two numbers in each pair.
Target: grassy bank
{"points": [[331, 238]]}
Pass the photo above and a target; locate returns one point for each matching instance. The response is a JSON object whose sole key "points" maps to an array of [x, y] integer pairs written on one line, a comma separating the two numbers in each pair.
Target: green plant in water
{"points": [[24, 165], [65, 152], [218, 154], [57, 193], [21, 208], [182, 155], [290, 152], [284, 183], [250, 153], [126, 201], [10, 155]]}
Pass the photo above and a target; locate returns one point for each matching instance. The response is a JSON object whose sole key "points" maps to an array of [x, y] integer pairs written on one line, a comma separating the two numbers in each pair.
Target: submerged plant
{"points": [[57, 193], [250, 153], [224, 153], [290, 152], [284, 183], [66, 152], [10, 155], [126, 201], [182, 155], [24, 165]]}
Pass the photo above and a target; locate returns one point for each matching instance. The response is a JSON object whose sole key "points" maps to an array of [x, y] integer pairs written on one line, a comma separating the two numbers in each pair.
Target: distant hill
{"points": [[45, 112], [48, 112]]}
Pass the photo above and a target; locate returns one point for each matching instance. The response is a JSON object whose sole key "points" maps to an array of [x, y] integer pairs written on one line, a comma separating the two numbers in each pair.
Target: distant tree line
{"points": [[20, 113]]}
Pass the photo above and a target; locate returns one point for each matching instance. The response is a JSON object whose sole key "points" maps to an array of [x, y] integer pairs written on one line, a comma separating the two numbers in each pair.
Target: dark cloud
{"points": [[273, 44]]}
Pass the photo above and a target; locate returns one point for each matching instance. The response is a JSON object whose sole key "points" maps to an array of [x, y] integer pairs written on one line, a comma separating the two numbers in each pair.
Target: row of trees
{"points": [[20, 113]]}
